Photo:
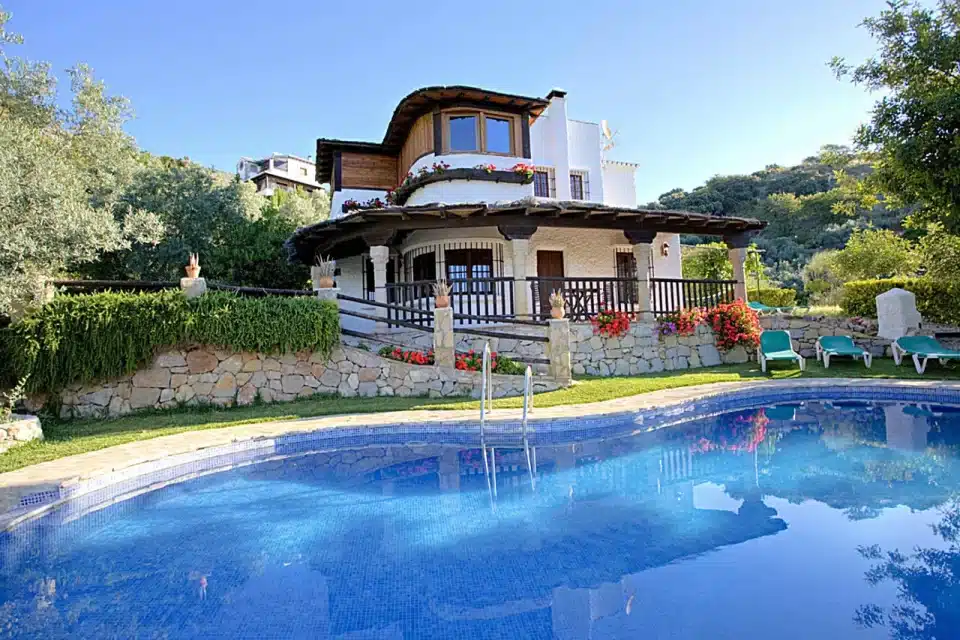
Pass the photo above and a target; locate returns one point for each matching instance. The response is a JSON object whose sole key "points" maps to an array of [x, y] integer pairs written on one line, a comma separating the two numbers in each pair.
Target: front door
{"points": [[549, 265]]}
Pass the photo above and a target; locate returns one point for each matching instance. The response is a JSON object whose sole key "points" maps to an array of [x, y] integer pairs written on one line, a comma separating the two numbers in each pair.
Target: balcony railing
{"points": [[486, 300], [585, 297], [670, 295]]}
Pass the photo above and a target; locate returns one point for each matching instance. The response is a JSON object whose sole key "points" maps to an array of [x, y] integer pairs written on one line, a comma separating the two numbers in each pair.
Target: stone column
{"points": [[559, 350], [444, 342], [737, 252], [642, 254], [193, 287], [379, 256], [519, 237], [738, 258], [329, 294], [521, 289]]}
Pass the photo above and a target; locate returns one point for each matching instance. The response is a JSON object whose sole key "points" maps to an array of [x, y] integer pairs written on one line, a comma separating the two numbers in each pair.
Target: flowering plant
{"points": [[733, 324], [489, 168], [440, 167], [523, 169], [610, 323], [473, 361], [351, 204], [372, 203], [681, 323], [410, 357]]}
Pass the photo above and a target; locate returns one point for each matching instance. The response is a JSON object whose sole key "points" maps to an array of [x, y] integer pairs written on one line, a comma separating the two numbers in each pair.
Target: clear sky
{"points": [[695, 87]]}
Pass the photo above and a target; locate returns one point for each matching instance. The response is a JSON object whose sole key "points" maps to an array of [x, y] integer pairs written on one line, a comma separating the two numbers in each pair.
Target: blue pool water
{"points": [[777, 522]]}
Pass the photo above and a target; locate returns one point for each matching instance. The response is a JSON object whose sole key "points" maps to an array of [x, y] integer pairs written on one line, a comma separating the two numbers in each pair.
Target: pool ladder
{"points": [[486, 406]]}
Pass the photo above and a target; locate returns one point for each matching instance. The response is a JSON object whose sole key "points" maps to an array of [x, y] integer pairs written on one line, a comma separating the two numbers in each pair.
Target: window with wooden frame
{"points": [[544, 183], [480, 132], [579, 185]]}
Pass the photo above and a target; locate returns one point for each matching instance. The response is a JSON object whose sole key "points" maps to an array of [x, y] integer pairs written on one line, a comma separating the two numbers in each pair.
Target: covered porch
{"points": [[504, 259]]}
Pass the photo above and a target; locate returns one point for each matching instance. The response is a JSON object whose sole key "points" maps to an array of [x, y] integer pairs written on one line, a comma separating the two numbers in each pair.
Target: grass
{"points": [[65, 438]]}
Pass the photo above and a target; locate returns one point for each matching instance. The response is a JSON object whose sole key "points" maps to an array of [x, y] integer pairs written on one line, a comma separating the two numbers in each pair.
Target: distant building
{"points": [[279, 172]]}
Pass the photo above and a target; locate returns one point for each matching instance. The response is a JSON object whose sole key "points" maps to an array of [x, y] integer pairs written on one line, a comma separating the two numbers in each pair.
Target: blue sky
{"points": [[695, 87]]}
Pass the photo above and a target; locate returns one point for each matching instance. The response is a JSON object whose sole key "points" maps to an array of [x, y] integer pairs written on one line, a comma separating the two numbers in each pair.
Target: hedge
{"points": [[773, 297], [104, 335], [937, 300]]}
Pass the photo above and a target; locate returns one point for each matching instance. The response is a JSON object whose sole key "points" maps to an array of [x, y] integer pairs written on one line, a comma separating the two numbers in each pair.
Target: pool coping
{"points": [[102, 476]]}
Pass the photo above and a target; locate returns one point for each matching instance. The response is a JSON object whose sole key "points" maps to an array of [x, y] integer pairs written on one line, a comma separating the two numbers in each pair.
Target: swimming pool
{"points": [[774, 521]]}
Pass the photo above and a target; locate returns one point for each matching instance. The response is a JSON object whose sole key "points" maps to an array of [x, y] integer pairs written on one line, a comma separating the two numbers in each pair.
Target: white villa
{"points": [[279, 171], [508, 199]]}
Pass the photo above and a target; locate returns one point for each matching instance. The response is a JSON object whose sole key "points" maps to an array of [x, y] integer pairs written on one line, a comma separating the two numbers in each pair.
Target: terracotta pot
{"points": [[557, 313], [326, 282], [442, 302], [193, 271]]}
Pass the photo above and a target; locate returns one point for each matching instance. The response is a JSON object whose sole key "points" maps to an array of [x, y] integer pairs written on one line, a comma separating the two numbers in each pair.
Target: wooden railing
{"points": [[474, 300], [585, 297], [673, 294]]}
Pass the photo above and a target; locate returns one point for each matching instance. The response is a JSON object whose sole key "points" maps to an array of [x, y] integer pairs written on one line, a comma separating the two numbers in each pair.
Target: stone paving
{"points": [[65, 471]]}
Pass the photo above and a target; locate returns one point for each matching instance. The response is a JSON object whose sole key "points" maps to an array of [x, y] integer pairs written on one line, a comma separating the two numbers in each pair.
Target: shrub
{"points": [[610, 323], [105, 335], [937, 300], [773, 297], [734, 324]]}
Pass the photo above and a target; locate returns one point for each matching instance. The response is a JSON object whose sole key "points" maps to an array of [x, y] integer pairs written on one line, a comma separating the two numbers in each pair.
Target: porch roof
{"points": [[353, 233]]}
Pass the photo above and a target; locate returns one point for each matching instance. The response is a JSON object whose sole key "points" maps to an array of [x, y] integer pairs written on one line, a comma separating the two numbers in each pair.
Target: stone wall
{"points": [[207, 376], [642, 350], [805, 330]]}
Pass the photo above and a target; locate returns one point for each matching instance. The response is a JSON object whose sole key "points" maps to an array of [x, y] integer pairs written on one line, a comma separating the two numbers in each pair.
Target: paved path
{"points": [[64, 471]]}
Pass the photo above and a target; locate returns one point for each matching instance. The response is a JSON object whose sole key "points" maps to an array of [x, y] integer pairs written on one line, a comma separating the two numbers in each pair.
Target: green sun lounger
{"points": [[830, 346], [922, 349], [776, 345], [759, 307]]}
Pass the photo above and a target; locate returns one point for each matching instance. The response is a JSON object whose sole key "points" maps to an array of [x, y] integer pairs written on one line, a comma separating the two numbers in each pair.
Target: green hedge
{"points": [[772, 297], [937, 300], [105, 335]]}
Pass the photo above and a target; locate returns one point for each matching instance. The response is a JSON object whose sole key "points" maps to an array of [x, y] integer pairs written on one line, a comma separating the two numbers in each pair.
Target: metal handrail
{"points": [[527, 399]]}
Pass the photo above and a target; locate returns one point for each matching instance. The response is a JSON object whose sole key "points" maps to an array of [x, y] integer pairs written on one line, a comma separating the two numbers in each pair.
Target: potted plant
{"points": [[558, 306], [193, 266], [322, 273], [441, 294]]}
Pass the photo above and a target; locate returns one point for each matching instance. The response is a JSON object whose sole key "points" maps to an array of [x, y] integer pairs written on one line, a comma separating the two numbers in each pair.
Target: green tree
{"points": [[940, 253], [706, 262], [61, 169], [914, 127], [821, 282], [875, 253]]}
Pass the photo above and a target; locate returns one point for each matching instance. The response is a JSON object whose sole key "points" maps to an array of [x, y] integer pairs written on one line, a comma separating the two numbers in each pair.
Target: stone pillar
{"points": [[329, 294], [521, 289], [193, 287], [444, 342], [642, 242], [559, 350], [738, 258], [379, 256], [737, 252]]}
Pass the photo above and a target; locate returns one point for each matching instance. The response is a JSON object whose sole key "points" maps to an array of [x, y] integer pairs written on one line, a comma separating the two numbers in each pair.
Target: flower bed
{"points": [[610, 323], [410, 357], [473, 361], [734, 324], [681, 323]]}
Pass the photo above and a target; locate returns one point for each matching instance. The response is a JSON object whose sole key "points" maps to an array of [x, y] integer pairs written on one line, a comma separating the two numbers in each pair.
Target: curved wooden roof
{"points": [[353, 233], [415, 105]]}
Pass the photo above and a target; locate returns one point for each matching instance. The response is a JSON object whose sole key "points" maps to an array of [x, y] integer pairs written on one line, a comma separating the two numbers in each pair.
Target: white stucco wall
{"points": [[619, 184], [584, 153], [468, 190], [667, 266]]}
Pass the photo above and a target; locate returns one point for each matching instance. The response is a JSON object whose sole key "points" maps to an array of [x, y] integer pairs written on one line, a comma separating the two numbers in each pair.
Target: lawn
{"points": [[64, 438]]}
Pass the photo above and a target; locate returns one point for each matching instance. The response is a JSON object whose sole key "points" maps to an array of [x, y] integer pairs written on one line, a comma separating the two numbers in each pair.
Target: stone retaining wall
{"points": [[200, 375], [424, 341], [805, 330], [642, 350]]}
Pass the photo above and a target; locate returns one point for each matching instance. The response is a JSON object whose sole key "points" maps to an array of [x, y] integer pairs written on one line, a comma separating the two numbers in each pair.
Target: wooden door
{"points": [[549, 265]]}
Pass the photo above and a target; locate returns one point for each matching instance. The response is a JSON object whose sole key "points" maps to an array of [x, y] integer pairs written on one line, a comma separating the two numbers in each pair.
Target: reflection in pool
{"points": [[774, 522]]}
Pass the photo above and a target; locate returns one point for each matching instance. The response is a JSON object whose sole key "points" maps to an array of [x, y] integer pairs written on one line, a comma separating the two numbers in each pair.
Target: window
{"points": [[463, 264], [480, 133], [279, 165], [579, 185], [425, 267], [463, 133], [497, 135], [303, 172], [543, 183]]}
